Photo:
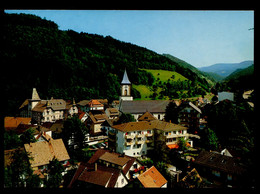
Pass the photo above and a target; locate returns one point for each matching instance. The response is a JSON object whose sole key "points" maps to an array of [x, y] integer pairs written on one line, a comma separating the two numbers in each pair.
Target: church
{"points": [[139, 107]]}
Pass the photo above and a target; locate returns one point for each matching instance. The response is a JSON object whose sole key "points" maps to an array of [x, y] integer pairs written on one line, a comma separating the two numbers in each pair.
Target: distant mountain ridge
{"points": [[225, 69]]}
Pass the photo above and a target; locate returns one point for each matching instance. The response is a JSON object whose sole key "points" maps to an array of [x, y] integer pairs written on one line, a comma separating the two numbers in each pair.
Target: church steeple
{"points": [[125, 88], [125, 79], [35, 98]]}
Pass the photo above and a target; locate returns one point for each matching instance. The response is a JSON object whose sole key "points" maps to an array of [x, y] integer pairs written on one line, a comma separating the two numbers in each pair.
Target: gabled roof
{"points": [[219, 162], [94, 103], [55, 104], [125, 79], [152, 178], [14, 122], [44, 151], [103, 175], [148, 125], [147, 116]]}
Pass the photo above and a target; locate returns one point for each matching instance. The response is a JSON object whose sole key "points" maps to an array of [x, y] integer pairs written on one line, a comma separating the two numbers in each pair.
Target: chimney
{"points": [[95, 166]]}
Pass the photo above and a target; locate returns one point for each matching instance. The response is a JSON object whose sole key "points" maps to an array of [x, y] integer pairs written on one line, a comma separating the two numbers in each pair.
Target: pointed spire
{"points": [[73, 101], [35, 95], [125, 79]]}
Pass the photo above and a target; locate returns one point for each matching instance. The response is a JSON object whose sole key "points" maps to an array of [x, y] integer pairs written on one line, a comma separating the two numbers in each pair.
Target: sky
{"points": [[201, 38]]}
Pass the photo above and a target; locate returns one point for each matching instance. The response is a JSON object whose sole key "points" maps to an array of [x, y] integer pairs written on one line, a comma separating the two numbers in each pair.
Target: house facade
{"points": [[137, 138]]}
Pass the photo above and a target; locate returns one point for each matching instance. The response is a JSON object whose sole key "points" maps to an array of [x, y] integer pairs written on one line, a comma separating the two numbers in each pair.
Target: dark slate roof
{"points": [[142, 106], [219, 162], [125, 79]]}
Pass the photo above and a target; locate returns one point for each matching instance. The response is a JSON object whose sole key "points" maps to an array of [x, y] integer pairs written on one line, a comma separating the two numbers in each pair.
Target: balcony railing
{"points": [[148, 134], [129, 143], [130, 136], [140, 135], [139, 141]]}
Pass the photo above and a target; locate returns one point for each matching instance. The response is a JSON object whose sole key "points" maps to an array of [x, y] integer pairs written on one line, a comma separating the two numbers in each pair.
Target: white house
{"points": [[136, 138]]}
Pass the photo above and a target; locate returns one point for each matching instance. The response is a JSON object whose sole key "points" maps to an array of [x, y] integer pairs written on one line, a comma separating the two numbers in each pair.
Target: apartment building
{"points": [[136, 138]]}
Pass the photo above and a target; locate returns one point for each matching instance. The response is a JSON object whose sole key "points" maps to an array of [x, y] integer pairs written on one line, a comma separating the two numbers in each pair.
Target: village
{"points": [[124, 144]]}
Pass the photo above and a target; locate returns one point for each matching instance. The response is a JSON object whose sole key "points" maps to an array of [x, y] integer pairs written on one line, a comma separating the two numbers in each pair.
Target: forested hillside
{"points": [[67, 64], [240, 80]]}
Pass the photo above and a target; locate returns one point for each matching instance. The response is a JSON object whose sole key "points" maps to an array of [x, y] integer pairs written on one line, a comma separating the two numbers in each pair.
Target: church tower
{"points": [[126, 89], [35, 98]]}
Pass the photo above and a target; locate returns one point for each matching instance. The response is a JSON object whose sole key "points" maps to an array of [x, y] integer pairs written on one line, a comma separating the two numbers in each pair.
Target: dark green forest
{"points": [[68, 64]]}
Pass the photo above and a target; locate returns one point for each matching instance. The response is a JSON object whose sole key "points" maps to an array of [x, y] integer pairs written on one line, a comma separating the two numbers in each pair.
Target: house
{"points": [[83, 105], [219, 168], [71, 108], [95, 105], [42, 152], [94, 122], [47, 110], [152, 178], [106, 169], [112, 113], [137, 138], [189, 115]]}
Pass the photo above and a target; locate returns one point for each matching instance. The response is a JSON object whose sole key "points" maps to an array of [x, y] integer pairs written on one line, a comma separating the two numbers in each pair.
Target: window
{"points": [[159, 117], [122, 181], [229, 177]]}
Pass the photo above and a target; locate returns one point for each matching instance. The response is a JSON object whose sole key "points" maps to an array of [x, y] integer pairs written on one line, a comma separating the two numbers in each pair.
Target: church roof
{"points": [[125, 79], [142, 106]]}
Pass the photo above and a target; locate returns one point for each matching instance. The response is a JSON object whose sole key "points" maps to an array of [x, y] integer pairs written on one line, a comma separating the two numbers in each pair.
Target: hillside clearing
{"points": [[164, 75]]}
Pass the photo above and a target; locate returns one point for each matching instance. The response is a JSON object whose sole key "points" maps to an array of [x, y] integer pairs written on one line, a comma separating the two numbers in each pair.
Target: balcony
{"points": [[140, 135], [139, 141], [148, 134], [129, 143], [130, 136]]}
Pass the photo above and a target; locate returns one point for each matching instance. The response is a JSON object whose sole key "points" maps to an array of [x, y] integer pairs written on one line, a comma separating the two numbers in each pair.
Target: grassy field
{"points": [[164, 75], [144, 91]]}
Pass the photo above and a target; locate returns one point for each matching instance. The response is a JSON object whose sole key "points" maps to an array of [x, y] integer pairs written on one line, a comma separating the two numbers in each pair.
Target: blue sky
{"points": [[201, 38]]}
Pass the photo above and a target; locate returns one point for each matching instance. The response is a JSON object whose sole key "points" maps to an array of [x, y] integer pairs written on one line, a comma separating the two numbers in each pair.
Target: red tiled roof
{"points": [[13, 122], [152, 178]]}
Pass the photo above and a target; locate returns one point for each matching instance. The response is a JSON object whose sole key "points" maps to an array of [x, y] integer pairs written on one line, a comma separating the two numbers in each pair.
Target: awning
{"points": [[176, 146]]}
